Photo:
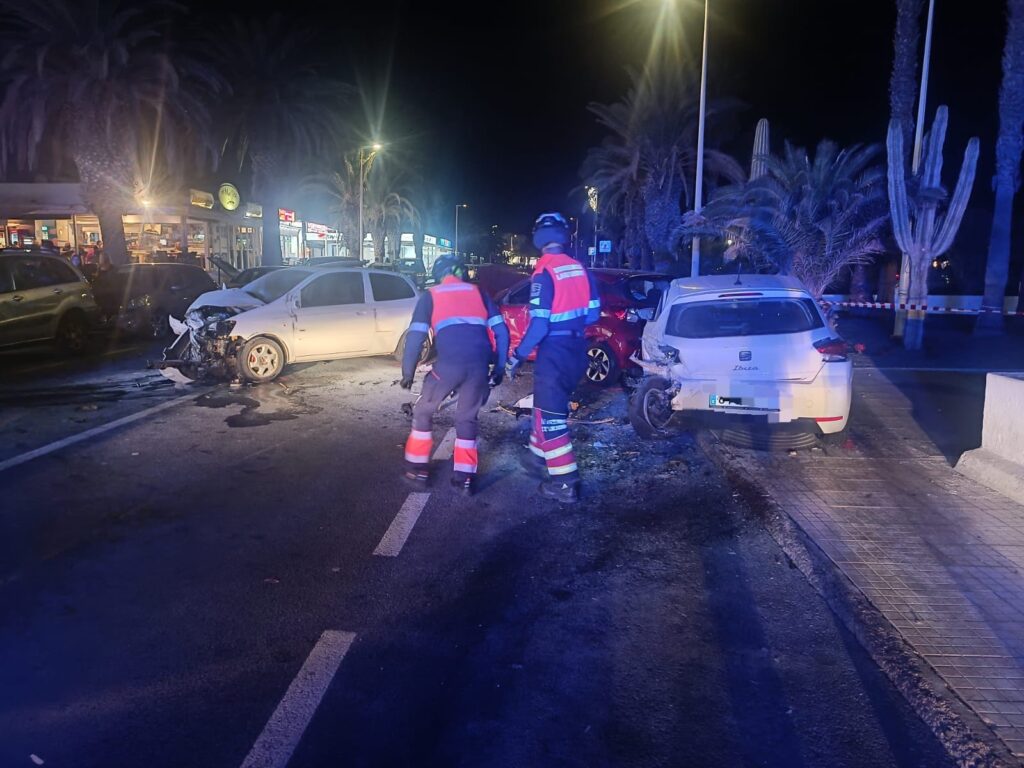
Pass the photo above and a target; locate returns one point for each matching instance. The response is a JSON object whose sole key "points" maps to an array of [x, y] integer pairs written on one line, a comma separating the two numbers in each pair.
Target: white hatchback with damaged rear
{"points": [[753, 347]]}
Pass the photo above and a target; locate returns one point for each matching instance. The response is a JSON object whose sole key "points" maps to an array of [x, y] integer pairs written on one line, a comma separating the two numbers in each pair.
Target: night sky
{"points": [[490, 98]]}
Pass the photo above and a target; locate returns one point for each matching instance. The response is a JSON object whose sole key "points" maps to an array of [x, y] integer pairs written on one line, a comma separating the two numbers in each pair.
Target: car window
{"points": [[6, 283], [389, 287], [519, 295], [334, 289], [195, 279], [30, 273], [746, 317], [59, 271], [276, 284]]}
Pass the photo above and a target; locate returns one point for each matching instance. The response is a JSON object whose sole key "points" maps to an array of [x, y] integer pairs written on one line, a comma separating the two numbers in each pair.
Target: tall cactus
{"points": [[762, 146], [922, 232]]}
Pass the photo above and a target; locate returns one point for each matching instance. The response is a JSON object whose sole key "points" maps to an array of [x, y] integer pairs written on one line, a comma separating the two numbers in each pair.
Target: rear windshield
{"points": [[276, 284], [745, 317], [640, 292]]}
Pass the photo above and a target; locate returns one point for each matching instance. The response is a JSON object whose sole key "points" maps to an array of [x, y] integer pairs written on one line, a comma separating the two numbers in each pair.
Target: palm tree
{"points": [[1007, 178], [342, 187], [99, 79], [281, 113], [386, 212], [645, 168], [808, 217]]}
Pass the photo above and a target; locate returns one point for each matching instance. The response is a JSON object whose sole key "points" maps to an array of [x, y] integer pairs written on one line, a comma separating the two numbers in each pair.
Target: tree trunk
{"points": [[859, 288], [112, 232], [997, 269], [903, 85]]}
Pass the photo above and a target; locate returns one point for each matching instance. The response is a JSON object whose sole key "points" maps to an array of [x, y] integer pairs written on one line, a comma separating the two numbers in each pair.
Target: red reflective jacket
{"points": [[572, 288]]}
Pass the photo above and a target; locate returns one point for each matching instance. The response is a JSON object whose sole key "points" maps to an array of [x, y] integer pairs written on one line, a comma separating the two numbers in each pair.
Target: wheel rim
{"points": [[263, 360], [657, 408], [599, 365]]}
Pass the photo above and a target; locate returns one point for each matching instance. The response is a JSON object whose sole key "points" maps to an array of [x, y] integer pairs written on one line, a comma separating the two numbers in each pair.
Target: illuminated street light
{"points": [[699, 186], [457, 207], [363, 164]]}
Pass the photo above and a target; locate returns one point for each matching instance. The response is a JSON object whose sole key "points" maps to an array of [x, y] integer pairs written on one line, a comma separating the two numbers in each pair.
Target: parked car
{"points": [[628, 300], [43, 298], [246, 276], [757, 348], [298, 314], [139, 298]]}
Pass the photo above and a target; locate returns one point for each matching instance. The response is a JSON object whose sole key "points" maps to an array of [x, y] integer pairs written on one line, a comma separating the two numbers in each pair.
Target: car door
{"points": [[394, 300], [515, 308], [332, 318], [10, 310], [34, 301]]}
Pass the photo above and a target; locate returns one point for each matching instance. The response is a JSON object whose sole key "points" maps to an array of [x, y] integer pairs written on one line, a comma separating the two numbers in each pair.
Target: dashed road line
{"points": [[90, 433], [400, 528], [446, 447], [281, 734]]}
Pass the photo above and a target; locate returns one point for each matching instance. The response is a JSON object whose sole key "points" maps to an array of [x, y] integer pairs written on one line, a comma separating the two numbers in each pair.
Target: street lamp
{"points": [[457, 207], [592, 202], [699, 185], [363, 166]]}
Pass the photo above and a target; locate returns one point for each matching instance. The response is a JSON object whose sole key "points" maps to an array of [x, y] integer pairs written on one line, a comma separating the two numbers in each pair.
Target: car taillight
{"points": [[832, 350], [618, 314]]}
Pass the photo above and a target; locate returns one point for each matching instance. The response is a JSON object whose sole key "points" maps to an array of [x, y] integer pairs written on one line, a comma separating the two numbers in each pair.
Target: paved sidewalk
{"points": [[940, 556]]}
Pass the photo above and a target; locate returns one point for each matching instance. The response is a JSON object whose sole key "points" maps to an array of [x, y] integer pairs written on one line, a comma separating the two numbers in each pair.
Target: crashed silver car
{"points": [[299, 314]]}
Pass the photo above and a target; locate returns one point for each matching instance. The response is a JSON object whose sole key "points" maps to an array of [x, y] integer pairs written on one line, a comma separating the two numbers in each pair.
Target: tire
{"points": [[647, 408], [73, 333], [602, 367], [425, 354], [260, 360]]}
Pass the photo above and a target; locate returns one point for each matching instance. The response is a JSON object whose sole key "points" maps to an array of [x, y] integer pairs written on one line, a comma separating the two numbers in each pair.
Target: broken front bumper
{"points": [[203, 347]]}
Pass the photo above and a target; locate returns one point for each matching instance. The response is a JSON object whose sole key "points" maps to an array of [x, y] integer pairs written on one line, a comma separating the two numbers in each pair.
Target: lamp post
{"points": [[698, 187], [457, 207], [374, 149], [592, 200]]}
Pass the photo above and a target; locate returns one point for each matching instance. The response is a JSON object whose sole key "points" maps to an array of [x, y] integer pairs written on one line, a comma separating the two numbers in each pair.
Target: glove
{"points": [[406, 382], [497, 376], [513, 367]]}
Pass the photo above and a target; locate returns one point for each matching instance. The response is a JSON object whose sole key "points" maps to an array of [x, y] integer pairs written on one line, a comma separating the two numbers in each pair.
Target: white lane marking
{"points": [[400, 528], [89, 433], [446, 447], [281, 734]]}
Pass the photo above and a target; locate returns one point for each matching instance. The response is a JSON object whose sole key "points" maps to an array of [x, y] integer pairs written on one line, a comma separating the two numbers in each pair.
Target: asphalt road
{"points": [[200, 588]]}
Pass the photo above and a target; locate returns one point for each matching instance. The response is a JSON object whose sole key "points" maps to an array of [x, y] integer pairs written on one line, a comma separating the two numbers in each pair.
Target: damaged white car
{"points": [[299, 314], [756, 348]]}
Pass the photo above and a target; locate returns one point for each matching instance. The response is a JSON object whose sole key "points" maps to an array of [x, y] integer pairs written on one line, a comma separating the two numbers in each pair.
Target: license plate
{"points": [[719, 401]]}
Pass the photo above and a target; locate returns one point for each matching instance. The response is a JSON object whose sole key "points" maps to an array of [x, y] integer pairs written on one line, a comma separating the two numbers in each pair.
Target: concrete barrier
{"points": [[999, 462]]}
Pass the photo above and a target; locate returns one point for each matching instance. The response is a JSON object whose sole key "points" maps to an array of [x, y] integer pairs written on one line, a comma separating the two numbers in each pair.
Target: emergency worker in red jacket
{"points": [[471, 341], [563, 302]]}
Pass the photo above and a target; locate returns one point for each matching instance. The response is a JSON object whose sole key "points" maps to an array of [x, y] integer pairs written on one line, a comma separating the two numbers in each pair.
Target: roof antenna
{"points": [[739, 268]]}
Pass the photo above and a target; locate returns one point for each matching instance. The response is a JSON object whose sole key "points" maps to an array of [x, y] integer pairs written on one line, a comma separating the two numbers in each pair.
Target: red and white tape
{"points": [[916, 307]]}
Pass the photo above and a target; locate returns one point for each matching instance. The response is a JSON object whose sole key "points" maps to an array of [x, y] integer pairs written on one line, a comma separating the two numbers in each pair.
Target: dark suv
{"points": [[139, 298], [43, 298]]}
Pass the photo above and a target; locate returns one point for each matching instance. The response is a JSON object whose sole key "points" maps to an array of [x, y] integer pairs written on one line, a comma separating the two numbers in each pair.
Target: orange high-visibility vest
{"points": [[572, 288], [457, 303]]}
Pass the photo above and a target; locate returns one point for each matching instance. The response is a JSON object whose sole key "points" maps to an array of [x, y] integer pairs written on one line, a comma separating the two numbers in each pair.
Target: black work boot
{"points": [[464, 483], [565, 491], [417, 476], [534, 465]]}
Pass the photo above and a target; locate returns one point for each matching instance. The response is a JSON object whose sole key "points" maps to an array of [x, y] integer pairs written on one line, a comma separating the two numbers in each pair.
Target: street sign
{"points": [[591, 251], [605, 246]]}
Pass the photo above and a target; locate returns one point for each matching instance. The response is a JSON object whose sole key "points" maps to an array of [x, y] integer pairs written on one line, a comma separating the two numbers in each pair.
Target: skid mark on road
{"points": [[400, 528], [280, 736]]}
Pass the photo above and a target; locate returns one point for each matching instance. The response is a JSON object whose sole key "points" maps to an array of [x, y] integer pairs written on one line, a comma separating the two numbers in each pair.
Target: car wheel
{"points": [[159, 324], [650, 408], [73, 333], [602, 368], [261, 360], [426, 352]]}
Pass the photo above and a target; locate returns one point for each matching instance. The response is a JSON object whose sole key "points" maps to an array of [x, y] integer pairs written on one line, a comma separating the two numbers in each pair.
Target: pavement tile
{"points": [[940, 556]]}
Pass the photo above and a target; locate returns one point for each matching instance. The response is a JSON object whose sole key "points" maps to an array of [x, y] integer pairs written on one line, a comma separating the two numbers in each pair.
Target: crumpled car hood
{"points": [[227, 297]]}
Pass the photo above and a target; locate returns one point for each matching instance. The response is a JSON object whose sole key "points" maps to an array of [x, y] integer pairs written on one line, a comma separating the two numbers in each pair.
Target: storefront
{"points": [[322, 241], [433, 248]]}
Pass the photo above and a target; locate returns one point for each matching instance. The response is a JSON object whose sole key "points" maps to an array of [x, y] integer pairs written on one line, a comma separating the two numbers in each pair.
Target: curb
{"points": [[960, 730]]}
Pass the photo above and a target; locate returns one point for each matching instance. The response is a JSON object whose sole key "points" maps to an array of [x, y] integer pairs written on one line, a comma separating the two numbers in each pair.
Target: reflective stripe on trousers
{"points": [[417, 447]]}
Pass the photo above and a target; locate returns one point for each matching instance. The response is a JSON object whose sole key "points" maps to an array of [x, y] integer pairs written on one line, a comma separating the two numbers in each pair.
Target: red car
{"points": [[628, 301]]}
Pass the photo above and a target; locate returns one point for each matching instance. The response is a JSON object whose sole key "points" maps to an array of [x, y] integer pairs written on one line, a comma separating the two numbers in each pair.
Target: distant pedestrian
{"points": [[563, 302]]}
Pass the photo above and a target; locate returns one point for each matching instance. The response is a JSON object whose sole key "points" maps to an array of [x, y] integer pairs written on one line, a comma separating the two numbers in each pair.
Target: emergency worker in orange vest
{"points": [[563, 302], [471, 340]]}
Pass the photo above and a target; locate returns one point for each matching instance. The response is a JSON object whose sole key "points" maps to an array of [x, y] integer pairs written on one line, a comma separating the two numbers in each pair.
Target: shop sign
{"points": [[285, 215], [228, 196], [429, 240], [316, 231], [444, 243], [200, 199], [253, 211], [333, 234]]}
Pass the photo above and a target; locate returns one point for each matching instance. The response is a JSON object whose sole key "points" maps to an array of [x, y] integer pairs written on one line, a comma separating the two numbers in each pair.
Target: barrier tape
{"points": [[916, 307]]}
